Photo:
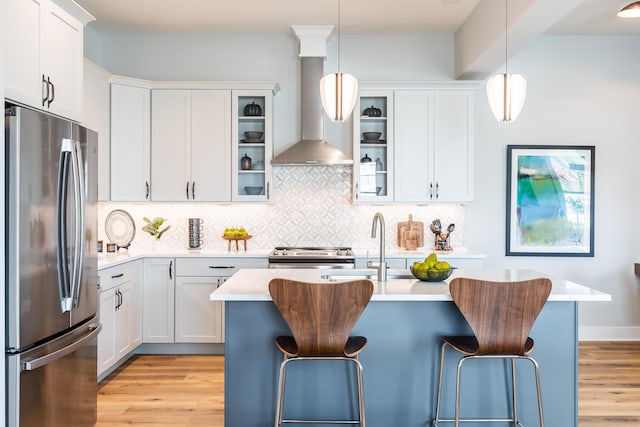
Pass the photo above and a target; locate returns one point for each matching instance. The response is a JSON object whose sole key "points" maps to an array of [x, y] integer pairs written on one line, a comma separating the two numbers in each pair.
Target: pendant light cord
{"points": [[339, 36], [506, 37]]}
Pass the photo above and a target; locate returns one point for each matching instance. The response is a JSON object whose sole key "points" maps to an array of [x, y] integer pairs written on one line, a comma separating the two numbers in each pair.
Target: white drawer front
{"points": [[203, 267], [117, 275]]}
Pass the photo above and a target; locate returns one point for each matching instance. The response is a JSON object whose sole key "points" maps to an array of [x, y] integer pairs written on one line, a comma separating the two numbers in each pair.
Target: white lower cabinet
{"points": [[158, 300], [198, 320], [120, 313]]}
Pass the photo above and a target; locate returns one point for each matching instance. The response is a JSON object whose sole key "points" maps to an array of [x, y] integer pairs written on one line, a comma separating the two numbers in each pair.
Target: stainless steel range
{"points": [[312, 257]]}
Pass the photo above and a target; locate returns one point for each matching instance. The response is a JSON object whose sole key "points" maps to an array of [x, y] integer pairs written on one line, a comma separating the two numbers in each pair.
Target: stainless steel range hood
{"points": [[312, 149]]}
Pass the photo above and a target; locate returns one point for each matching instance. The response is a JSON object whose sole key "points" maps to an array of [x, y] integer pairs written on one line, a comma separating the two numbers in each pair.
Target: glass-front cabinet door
{"points": [[252, 142], [373, 146]]}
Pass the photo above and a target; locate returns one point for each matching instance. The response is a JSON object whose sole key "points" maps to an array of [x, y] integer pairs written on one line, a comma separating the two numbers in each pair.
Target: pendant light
{"points": [[338, 91], [631, 10], [506, 92]]}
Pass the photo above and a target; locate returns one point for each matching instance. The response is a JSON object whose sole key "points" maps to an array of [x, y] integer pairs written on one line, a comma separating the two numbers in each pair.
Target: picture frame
{"points": [[550, 200]]}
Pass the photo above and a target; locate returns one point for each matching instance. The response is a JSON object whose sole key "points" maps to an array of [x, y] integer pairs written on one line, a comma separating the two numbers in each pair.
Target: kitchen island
{"points": [[403, 324]]}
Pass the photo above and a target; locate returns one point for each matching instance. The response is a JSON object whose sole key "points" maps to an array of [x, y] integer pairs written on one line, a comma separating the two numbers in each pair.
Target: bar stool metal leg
{"points": [[443, 348], [359, 377], [458, 383], [514, 400], [280, 398], [360, 382], [537, 371], [514, 419]]}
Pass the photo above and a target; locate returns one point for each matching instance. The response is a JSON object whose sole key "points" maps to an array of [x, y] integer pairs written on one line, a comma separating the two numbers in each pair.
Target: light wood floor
{"points": [[163, 391], [188, 391]]}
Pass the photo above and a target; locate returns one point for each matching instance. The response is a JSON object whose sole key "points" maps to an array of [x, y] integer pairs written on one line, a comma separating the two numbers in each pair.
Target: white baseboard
{"points": [[609, 333]]}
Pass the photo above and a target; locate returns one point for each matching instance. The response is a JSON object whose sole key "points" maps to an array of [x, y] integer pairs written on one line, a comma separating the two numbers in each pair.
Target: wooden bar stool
{"points": [[501, 315], [320, 316]]}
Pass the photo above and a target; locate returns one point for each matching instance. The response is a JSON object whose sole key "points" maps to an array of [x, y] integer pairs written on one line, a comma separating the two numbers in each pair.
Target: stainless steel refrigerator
{"points": [[51, 281]]}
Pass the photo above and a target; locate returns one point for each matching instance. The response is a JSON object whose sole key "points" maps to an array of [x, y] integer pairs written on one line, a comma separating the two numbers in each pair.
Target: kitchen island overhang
{"points": [[403, 324]]}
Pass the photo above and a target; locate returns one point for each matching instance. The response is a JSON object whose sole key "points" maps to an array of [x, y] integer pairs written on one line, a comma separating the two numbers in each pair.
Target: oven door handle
{"points": [[331, 266]]}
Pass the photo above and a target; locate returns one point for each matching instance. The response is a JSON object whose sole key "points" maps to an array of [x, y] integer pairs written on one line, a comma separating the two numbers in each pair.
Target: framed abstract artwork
{"points": [[550, 200]]}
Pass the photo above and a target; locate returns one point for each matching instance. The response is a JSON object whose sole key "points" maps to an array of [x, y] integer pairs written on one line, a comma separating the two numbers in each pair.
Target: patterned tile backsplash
{"points": [[311, 206]]}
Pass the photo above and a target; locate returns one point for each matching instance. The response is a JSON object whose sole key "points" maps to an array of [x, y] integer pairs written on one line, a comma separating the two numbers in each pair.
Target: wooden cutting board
{"points": [[416, 226]]}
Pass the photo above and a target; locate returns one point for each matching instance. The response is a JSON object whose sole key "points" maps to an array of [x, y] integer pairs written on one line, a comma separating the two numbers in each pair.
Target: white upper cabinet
{"points": [[210, 145], [44, 60], [414, 136], [252, 152], [434, 145], [373, 147], [96, 117], [130, 142], [191, 145], [453, 145]]}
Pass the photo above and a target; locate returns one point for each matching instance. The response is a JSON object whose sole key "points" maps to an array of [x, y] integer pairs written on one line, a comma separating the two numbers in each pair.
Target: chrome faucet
{"points": [[382, 264]]}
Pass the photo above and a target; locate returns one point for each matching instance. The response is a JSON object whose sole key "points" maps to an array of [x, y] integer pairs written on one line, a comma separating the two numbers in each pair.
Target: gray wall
{"points": [[273, 58], [582, 90]]}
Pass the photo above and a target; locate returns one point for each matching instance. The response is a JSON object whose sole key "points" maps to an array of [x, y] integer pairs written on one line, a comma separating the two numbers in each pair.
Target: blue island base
{"points": [[400, 369]]}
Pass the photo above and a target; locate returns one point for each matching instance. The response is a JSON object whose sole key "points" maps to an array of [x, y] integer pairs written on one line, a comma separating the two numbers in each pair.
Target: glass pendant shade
{"points": [[506, 93], [630, 11], [338, 92]]}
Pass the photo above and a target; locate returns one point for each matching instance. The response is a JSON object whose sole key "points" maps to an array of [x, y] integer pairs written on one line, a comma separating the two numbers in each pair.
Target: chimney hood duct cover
{"points": [[312, 149]]}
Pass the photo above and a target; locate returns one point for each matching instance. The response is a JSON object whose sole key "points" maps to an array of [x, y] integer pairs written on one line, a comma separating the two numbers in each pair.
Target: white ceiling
{"points": [[357, 16]]}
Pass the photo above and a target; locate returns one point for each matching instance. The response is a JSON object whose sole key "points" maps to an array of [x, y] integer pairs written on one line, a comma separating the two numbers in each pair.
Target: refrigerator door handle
{"points": [[78, 175], [61, 227], [44, 360]]}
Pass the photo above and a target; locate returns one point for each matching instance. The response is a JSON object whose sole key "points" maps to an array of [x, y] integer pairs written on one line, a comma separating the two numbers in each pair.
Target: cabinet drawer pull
{"points": [[53, 92], [45, 97], [171, 269], [221, 266], [117, 276]]}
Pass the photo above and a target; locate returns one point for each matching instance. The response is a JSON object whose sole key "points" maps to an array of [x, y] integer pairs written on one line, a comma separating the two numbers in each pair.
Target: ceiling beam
{"points": [[480, 41]]}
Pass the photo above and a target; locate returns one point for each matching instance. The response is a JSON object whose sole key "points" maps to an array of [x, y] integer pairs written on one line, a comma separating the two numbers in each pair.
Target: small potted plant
{"points": [[153, 227]]}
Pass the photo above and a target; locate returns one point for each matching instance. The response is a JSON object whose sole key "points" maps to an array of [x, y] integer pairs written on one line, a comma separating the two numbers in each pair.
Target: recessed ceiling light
{"points": [[631, 10]]}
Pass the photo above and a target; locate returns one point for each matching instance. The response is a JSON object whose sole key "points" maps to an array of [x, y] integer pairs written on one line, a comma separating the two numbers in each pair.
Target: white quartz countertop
{"points": [[106, 260], [252, 284], [419, 253]]}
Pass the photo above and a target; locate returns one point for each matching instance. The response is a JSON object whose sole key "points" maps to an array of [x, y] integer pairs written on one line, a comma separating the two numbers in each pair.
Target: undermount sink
{"points": [[366, 274]]}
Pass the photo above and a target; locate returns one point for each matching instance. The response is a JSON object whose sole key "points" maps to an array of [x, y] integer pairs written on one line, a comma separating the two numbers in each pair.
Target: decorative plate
{"points": [[120, 228]]}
